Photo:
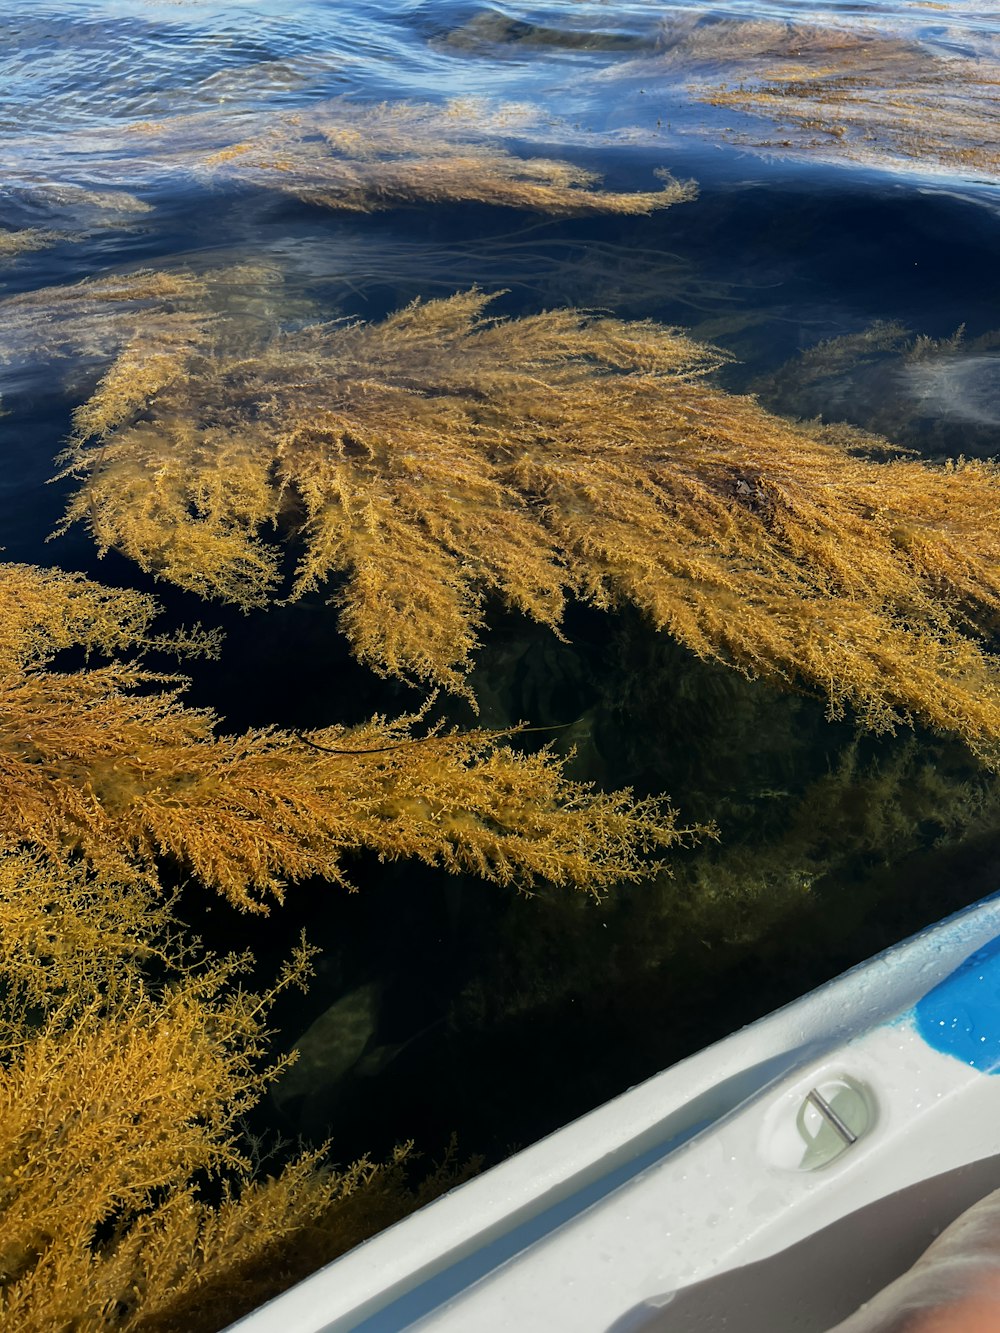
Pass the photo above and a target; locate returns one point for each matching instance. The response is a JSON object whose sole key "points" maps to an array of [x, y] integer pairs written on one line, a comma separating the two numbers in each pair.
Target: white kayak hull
{"points": [[795, 1166]]}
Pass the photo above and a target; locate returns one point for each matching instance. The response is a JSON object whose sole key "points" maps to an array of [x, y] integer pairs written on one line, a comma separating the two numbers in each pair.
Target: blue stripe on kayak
{"points": [[961, 1015]]}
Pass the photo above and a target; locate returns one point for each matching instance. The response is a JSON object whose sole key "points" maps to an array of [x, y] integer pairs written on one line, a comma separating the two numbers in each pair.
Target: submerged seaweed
{"points": [[443, 455], [369, 158], [888, 93], [131, 1194], [938, 396], [108, 763], [852, 94], [85, 325], [25, 240], [806, 875]]}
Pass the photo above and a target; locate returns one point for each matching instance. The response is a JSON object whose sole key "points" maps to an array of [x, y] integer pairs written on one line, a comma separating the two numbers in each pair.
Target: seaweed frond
{"points": [[441, 455], [148, 317], [366, 158], [881, 98], [70, 213], [129, 1194], [97, 318], [25, 240], [108, 763]]}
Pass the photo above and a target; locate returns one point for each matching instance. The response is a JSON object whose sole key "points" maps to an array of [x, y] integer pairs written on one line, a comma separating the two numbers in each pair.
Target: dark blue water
{"points": [[499, 1016]]}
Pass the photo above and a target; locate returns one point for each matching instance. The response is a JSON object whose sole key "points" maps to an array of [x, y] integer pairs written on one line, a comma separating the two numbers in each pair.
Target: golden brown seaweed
{"points": [[26, 240], [108, 763], [441, 456], [367, 158], [172, 309], [130, 1197], [854, 94]]}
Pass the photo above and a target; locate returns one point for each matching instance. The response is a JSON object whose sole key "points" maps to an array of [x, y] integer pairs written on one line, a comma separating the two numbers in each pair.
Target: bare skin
{"points": [[978, 1313]]}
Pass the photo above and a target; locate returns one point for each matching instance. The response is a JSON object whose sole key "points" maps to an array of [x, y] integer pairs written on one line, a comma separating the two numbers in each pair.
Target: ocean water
{"points": [[466, 1007]]}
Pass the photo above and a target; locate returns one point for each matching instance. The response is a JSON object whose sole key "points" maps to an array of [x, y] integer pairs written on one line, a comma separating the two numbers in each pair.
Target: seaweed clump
{"points": [[107, 763], [147, 317], [70, 213], [442, 456], [25, 240], [131, 1190], [363, 159], [857, 95], [937, 395]]}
